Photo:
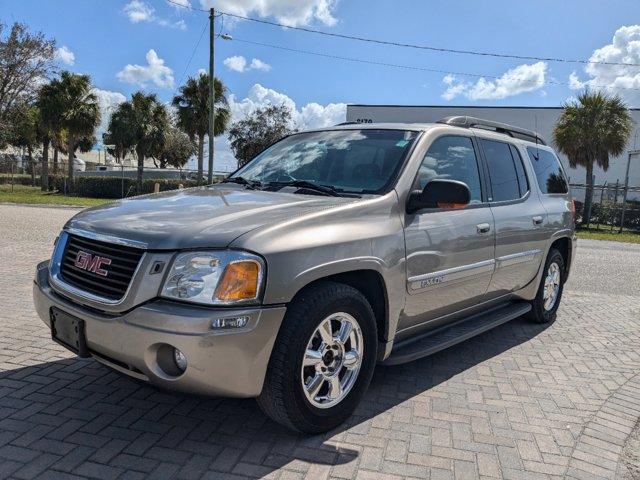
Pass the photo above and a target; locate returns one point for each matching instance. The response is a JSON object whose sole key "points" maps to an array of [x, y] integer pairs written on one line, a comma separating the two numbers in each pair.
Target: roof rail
{"points": [[472, 122]]}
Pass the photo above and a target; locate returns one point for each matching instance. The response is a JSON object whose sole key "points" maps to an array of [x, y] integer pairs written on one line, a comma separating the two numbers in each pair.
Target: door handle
{"points": [[537, 220], [483, 227]]}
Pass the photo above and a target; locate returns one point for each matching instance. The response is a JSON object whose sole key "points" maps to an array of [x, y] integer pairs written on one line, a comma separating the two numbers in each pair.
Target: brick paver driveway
{"points": [[521, 401]]}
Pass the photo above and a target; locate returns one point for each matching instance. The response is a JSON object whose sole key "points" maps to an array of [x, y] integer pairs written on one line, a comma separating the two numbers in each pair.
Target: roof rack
{"points": [[472, 122]]}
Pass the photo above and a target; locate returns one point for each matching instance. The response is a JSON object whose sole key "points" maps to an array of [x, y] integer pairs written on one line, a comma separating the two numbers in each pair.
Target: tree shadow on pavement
{"points": [[79, 407]]}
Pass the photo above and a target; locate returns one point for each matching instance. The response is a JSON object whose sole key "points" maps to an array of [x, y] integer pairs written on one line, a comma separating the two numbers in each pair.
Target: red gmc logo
{"points": [[92, 263]]}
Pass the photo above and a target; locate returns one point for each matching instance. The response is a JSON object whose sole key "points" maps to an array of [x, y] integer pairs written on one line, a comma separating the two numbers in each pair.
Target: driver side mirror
{"points": [[439, 193]]}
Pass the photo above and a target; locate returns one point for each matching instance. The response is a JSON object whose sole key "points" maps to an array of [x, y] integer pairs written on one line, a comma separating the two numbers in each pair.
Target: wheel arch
{"points": [[565, 246], [371, 284]]}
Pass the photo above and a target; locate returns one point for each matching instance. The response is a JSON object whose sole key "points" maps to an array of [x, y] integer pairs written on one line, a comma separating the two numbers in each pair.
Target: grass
{"points": [[604, 233], [34, 196]]}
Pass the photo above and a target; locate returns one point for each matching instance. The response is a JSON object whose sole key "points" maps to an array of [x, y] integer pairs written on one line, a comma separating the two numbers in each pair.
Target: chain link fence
{"points": [[612, 209]]}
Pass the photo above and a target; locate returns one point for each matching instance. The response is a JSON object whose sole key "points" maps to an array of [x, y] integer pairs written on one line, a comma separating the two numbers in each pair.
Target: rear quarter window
{"points": [[548, 170]]}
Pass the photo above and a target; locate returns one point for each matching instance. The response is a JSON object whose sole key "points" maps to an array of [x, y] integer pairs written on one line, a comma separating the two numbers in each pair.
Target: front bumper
{"points": [[223, 363]]}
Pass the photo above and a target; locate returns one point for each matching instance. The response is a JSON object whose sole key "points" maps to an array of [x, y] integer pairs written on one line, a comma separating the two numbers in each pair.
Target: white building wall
{"points": [[540, 119]]}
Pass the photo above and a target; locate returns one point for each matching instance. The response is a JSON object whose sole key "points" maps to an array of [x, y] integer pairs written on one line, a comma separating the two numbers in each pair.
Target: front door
{"points": [[450, 252]]}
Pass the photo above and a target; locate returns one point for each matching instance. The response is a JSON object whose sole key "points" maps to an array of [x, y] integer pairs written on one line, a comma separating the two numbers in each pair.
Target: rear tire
{"points": [[313, 325], [544, 307]]}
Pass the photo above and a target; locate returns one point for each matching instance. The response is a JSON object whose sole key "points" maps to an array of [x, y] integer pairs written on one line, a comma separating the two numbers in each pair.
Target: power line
{"points": [[206, 24], [414, 46], [397, 65]]}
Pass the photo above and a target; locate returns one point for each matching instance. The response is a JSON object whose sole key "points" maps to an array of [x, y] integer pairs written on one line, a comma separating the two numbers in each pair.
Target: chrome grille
{"points": [[119, 272]]}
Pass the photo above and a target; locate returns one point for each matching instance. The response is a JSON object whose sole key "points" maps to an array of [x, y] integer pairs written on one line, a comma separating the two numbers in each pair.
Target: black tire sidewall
{"points": [[541, 315], [318, 418]]}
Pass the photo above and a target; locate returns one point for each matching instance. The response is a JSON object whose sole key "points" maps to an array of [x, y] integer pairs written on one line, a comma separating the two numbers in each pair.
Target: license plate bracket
{"points": [[69, 331]]}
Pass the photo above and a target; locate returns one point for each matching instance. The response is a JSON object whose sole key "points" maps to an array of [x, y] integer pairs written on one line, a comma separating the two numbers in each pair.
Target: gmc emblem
{"points": [[92, 263]]}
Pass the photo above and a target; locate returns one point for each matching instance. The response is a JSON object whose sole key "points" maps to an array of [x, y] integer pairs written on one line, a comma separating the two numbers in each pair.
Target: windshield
{"points": [[357, 161]]}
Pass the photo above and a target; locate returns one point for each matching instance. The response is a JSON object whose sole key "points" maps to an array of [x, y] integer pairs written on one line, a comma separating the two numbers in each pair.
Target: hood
{"points": [[204, 217]]}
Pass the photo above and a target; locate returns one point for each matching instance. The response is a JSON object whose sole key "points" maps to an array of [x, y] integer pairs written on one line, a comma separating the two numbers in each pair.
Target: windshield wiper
{"points": [[316, 187], [251, 184]]}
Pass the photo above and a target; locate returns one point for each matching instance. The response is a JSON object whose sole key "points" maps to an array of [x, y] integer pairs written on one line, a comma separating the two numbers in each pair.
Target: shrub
{"points": [[18, 179], [113, 187]]}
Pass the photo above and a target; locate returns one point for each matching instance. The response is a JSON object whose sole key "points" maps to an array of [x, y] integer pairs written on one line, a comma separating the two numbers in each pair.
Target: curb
{"points": [[599, 448], [47, 205]]}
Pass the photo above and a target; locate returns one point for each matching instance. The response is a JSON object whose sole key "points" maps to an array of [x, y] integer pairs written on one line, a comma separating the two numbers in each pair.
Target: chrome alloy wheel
{"points": [[551, 286], [332, 360]]}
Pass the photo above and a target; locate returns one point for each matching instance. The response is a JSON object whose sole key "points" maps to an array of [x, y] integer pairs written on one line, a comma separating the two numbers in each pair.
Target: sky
{"points": [[153, 45]]}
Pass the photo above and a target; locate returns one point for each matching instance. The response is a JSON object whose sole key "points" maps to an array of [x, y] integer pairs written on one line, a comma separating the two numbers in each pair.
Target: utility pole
{"points": [[212, 100]]}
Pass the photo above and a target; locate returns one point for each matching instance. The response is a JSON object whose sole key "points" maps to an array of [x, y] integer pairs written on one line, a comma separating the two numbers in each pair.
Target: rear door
{"points": [[519, 217], [449, 251]]}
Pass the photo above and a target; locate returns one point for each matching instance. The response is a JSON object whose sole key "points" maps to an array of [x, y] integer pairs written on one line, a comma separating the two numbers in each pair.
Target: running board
{"points": [[450, 335]]}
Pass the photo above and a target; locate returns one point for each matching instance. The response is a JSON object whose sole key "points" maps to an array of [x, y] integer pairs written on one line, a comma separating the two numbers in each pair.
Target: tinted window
{"points": [[549, 173], [523, 184], [349, 160], [502, 171], [454, 158]]}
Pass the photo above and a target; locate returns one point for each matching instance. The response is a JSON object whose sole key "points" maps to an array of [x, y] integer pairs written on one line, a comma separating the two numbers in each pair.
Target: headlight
{"points": [[215, 278]]}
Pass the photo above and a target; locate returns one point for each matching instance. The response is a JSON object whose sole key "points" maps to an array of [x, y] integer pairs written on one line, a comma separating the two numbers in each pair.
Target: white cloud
{"points": [[289, 12], [155, 72], [257, 64], [64, 55], [140, 11], [238, 63], [614, 79], [521, 79], [108, 101], [311, 115]]}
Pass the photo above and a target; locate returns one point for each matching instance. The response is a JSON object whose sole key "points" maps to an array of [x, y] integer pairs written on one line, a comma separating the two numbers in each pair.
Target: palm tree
{"points": [[79, 111], [49, 108], [139, 124], [591, 129], [119, 134], [192, 105]]}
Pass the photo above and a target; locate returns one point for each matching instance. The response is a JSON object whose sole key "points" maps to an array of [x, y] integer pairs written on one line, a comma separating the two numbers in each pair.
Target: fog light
{"points": [[232, 322], [180, 359]]}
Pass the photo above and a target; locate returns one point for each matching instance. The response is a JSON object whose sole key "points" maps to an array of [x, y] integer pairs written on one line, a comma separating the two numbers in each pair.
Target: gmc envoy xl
{"points": [[329, 252]]}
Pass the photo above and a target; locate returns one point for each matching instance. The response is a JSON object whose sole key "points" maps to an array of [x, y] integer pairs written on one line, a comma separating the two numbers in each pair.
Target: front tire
{"points": [[544, 307], [323, 359]]}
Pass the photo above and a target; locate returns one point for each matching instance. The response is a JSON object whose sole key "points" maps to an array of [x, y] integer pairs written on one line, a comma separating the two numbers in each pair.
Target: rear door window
{"points": [[505, 184], [549, 173]]}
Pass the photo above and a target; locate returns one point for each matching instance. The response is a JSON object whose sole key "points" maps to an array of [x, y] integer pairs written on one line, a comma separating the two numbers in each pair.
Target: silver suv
{"points": [[330, 251]]}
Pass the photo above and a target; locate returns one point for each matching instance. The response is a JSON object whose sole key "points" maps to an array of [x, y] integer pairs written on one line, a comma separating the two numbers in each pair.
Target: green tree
{"points": [[25, 58], [192, 110], [79, 110], [23, 134], [589, 131], [177, 149], [147, 121], [258, 130]]}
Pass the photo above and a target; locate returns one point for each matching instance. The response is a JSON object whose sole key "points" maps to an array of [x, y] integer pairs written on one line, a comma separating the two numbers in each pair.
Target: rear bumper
{"points": [[222, 363]]}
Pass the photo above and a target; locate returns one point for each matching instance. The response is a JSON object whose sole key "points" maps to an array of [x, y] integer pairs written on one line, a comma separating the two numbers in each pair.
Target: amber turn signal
{"points": [[451, 205], [239, 282]]}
